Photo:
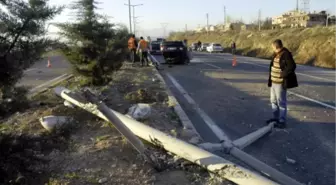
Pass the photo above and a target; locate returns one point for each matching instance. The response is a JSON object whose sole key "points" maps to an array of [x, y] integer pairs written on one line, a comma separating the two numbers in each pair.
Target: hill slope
{"points": [[311, 46]]}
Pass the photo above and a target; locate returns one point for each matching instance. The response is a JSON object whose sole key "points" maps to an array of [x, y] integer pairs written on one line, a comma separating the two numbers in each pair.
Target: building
{"points": [[297, 18]]}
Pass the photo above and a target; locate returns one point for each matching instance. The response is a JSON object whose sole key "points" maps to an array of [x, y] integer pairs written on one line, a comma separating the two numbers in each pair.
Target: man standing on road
{"points": [[132, 45], [143, 49], [281, 77], [233, 47]]}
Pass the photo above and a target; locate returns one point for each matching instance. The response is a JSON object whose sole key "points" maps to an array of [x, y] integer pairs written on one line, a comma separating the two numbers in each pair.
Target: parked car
{"points": [[194, 46], [215, 47], [204, 46], [154, 48], [174, 52]]}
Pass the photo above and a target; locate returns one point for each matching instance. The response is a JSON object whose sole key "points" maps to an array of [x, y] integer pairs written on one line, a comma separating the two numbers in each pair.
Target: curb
{"points": [[44, 87], [172, 101]]}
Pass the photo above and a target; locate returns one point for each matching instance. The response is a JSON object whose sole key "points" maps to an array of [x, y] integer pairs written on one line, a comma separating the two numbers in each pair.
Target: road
{"points": [[236, 99], [40, 75]]}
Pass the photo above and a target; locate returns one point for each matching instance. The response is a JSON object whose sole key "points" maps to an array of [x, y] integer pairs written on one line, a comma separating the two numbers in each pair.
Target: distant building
{"points": [[297, 18]]}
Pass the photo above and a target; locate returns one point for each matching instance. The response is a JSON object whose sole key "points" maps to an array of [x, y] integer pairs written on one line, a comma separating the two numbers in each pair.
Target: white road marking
{"points": [[213, 66], [212, 125], [312, 100], [290, 92], [31, 69], [311, 76]]}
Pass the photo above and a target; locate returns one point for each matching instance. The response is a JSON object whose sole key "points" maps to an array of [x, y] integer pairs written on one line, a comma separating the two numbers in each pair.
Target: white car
{"points": [[214, 47]]}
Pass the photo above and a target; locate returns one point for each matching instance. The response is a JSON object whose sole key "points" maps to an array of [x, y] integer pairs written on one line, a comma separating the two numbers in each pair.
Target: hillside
{"points": [[311, 46]]}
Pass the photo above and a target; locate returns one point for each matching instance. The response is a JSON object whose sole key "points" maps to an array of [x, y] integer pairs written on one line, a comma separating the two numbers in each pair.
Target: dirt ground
{"points": [[88, 150]]}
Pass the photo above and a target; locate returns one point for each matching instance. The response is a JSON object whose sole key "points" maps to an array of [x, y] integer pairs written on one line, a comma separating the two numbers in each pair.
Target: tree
{"points": [[94, 46], [21, 36]]}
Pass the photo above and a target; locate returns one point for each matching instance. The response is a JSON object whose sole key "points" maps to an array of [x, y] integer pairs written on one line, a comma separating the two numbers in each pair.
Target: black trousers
{"points": [[132, 55], [144, 57]]}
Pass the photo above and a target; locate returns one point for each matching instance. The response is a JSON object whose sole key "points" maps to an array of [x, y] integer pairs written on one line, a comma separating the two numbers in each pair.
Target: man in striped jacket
{"points": [[281, 77]]}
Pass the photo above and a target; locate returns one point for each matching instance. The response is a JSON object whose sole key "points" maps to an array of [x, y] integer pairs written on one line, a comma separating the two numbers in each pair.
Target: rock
{"points": [[114, 165], [102, 180], [140, 111], [291, 161], [51, 123]]}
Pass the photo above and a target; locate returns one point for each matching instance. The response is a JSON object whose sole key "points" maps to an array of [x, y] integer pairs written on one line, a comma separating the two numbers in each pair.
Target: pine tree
{"points": [[94, 46], [22, 41]]}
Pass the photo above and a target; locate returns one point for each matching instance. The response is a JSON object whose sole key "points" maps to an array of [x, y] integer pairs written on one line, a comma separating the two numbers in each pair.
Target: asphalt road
{"points": [[39, 74], [236, 99]]}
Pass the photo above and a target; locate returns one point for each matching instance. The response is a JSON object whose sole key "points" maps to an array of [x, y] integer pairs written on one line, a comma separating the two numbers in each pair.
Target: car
{"points": [[204, 46], [154, 48], [194, 46], [174, 52], [214, 47]]}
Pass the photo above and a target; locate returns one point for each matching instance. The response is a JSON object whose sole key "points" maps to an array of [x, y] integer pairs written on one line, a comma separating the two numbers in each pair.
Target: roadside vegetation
{"points": [[310, 46]]}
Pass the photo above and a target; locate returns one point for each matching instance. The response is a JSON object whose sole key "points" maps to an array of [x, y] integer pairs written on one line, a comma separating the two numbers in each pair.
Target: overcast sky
{"points": [[179, 13]]}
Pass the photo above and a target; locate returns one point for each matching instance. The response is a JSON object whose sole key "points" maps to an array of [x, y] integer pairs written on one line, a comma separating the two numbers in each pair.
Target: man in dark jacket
{"points": [[281, 77]]}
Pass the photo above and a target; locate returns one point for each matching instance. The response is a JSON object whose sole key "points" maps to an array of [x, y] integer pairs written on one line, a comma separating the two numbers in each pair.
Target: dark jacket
{"points": [[288, 66]]}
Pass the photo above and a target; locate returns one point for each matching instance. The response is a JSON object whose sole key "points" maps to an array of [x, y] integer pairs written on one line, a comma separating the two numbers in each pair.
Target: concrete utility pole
{"points": [[207, 17], [327, 20], [164, 26], [224, 15], [259, 19], [130, 15]]}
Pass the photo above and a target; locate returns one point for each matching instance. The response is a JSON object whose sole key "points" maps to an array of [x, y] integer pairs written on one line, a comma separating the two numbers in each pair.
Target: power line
{"points": [[164, 26]]}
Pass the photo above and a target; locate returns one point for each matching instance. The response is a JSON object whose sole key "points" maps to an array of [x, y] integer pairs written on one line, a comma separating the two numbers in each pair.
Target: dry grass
{"points": [[311, 46]]}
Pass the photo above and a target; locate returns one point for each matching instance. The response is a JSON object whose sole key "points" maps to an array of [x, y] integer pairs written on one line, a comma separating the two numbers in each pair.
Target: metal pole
{"points": [[213, 163]]}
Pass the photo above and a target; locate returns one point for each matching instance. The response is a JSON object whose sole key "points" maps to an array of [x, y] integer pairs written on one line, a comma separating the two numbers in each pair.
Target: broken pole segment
{"points": [[252, 137], [125, 131], [213, 163]]}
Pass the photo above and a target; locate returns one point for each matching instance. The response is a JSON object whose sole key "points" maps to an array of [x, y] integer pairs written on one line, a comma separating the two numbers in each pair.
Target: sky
{"points": [[181, 14]]}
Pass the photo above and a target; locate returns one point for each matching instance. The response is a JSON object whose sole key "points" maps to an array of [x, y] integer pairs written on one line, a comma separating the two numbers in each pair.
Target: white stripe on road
{"points": [[311, 76], [31, 69], [290, 92], [312, 100], [212, 125]]}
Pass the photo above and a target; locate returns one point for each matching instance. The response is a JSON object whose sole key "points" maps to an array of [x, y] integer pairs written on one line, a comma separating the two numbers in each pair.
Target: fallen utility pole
{"points": [[213, 163], [118, 124]]}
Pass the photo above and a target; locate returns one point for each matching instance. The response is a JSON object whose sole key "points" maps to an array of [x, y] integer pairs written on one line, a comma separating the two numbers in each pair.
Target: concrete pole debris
{"points": [[213, 163]]}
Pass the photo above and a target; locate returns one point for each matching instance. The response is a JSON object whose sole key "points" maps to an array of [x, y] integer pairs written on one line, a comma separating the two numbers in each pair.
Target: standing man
{"points": [[281, 77], [132, 45], [233, 47], [143, 49]]}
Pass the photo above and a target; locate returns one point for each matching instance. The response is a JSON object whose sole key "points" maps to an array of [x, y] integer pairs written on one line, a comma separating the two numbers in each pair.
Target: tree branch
{"points": [[17, 36]]}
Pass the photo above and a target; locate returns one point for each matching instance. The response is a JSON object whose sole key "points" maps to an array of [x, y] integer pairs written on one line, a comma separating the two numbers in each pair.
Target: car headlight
{"points": [[181, 48]]}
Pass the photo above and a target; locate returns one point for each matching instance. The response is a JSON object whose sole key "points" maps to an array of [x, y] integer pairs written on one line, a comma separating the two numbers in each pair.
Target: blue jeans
{"points": [[279, 102]]}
